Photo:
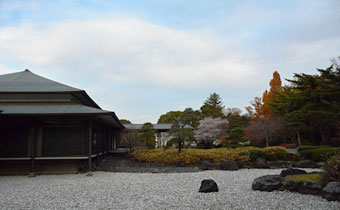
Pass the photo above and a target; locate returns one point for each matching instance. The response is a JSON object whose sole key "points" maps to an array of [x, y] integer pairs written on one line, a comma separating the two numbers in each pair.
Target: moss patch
{"points": [[316, 178]]}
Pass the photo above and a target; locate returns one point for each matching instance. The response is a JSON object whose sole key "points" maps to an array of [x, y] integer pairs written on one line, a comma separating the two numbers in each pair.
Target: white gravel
{"points": [[108, 190]]}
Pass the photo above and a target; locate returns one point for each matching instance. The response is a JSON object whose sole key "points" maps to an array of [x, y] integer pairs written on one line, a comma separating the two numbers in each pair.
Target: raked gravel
{"points": [[109, 190]]}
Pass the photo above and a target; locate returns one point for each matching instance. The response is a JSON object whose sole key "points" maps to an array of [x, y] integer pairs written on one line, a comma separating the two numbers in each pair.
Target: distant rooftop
{"points": [[161, 126], [28, 82]]}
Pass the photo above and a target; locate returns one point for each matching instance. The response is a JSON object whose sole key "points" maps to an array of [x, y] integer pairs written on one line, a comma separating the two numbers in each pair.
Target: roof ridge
{"points": [[27, 81]]}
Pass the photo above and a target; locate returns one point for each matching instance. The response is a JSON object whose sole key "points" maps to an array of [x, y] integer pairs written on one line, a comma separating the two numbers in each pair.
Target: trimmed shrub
{"points": [[253, 155], [332, 168], [303, 148], [319, 154], [217, 155]]}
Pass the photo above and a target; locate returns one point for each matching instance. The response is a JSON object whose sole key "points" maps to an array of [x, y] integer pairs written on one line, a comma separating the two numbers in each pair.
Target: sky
{"points": [[142, 59]]}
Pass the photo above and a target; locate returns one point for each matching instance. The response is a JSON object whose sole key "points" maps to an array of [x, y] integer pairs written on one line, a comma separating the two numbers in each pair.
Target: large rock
{"points": [[208, 185], [292, 171], [261, 163], [310, 188], [229, 165], [331, 191], [291, 186], [267, 183], [206, 165], [306, 164], [302, 187], [247, 164]]}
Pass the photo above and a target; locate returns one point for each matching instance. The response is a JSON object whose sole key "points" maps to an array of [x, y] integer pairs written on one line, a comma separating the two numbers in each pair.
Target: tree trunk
{"points": [[266, 136], [299, 140], [180, 146]]}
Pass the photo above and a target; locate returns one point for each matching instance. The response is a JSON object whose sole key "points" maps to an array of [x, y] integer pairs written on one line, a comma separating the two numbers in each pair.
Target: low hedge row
{"points": [[272, 156], [193, 156], [318, 153]]}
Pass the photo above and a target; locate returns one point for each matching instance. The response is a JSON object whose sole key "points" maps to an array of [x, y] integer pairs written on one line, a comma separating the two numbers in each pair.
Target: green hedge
{"points": [[303, 148], [319, 154], [273, 156]]}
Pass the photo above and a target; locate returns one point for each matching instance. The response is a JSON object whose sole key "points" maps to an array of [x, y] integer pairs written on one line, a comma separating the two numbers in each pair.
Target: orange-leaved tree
{"points": [[260, 106]]}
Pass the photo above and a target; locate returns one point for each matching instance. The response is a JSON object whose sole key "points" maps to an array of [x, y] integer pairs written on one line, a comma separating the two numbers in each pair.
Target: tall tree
{"points": [[147, 135], [260, 107], [170, 117], [312, 103], [213, 106]]}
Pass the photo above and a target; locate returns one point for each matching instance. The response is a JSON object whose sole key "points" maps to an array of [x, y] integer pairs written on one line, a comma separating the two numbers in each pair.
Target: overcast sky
{"points": [[142, 59]]}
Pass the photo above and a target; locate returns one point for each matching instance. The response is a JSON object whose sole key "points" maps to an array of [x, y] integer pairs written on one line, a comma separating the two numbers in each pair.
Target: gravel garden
{"points": [[109, 190]]}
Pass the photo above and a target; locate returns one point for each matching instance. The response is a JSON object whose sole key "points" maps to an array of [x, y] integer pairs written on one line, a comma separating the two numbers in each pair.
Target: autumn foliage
{"points": [[264, 126]]}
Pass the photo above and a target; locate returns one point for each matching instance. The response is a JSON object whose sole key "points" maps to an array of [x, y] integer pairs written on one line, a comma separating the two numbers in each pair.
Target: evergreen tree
{"points": [[147, 135], [312, 104], [213, 106]]}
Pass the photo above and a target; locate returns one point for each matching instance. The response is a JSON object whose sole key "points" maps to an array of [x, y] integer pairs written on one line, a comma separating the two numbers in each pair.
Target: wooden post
{"points": [[90, 148], [35, 135], [108, 141], [99, 137]]}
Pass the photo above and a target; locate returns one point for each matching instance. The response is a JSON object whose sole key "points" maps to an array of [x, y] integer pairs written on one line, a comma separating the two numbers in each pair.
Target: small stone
{"points": [[274, 164], [208, 185], [229, 166], [181, 164]]}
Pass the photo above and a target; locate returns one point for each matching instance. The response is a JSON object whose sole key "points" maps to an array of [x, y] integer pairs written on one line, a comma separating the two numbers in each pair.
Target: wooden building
{"points": [[42, 120]]}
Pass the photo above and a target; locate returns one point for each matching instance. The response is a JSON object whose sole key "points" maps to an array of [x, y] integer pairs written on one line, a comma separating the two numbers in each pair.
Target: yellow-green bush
{"points": [[193, 156], [316, 178]]}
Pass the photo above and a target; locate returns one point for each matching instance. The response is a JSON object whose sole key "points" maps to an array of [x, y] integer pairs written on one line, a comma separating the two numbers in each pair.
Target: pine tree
{"points": [[213, 106]]}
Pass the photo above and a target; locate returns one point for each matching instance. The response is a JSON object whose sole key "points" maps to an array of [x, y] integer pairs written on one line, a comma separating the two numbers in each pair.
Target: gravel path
{"points": [[108, 190]]}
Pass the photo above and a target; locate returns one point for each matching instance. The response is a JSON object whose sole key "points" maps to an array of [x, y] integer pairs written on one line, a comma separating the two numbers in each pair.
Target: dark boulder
{"points": [[302, 187], [309, 188], [208, 185], [331, 191], [229, 165], [291, 186], [267, 183], [286, 164], [206, 165], [247, 164], [292, 171], [181, 164], [261, 163], [306, 164]]}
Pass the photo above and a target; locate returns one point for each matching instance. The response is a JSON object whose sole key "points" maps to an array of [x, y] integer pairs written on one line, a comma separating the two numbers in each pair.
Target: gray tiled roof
{"points": [[21, 109], [161, 126], [26, 81], [48, 108]]}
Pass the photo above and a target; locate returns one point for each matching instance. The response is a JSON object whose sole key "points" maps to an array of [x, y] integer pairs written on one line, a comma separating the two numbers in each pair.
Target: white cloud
{"points": [[130, 50]]}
